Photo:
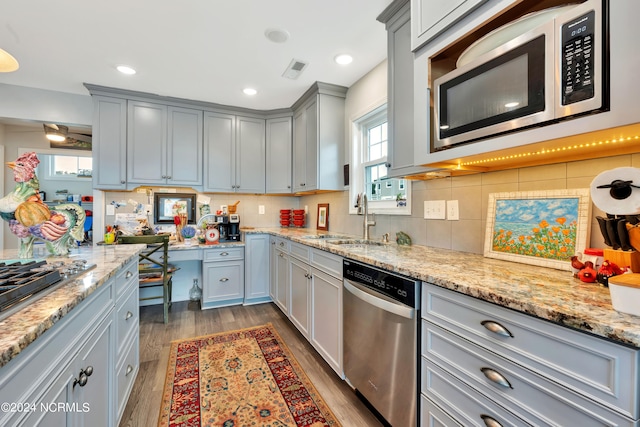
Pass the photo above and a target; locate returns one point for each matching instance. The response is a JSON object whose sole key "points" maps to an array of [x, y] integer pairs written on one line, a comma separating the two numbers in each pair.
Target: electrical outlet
{"points": [[260, 209], [306, 209], [434, 209], [453, 214]]}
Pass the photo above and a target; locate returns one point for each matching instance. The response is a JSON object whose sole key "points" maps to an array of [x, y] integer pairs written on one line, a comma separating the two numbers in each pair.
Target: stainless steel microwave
{"points": [[509, 80]]}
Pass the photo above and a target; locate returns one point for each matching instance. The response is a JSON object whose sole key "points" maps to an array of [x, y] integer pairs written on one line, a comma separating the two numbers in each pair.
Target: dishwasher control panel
{"points": [[394, 286]]}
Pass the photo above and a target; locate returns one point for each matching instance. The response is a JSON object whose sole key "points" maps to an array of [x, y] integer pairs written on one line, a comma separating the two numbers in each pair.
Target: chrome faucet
{"points": [[366, 222]]}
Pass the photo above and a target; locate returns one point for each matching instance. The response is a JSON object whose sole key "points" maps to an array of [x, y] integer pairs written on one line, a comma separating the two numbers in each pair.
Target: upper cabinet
{"points": [[402, 155], [278, 151], [431, 17], [318, 139], [109, 143], [164, 145], [234, 153]]}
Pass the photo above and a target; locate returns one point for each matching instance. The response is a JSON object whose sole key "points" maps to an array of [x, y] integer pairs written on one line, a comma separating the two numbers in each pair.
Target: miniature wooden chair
{"points": [[153, 266]]}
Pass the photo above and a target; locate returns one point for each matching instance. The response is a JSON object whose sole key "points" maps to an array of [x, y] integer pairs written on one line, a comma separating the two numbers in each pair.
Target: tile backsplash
{"points": [[472, 192]]}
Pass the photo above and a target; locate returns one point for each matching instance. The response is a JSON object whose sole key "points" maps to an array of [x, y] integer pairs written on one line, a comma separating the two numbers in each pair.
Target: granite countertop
{"points": [[23, 327], [545, 293]]}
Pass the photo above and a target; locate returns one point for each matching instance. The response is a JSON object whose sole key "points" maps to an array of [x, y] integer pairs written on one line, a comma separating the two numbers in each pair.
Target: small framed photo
{"points": [[323, 216], [543, 228], [168, 205]]}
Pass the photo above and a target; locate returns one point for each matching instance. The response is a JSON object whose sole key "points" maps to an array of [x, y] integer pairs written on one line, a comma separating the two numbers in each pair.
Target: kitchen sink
{"points": [[356, 243], [325, 236]]}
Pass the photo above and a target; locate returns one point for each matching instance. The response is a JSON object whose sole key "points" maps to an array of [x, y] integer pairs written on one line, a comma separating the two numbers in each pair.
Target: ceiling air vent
{"points": [[294, 69]]}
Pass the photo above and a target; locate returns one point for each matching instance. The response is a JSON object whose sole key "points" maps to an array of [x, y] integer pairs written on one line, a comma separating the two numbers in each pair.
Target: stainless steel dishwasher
{"points": [[381, 337]]}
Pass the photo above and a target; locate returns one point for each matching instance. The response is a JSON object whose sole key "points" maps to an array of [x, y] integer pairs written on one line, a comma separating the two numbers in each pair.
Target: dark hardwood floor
{"points": [[186, 320]]}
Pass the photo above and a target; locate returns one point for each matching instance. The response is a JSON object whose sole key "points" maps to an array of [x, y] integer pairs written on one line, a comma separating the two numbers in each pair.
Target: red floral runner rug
{"points": [[240, 378]]}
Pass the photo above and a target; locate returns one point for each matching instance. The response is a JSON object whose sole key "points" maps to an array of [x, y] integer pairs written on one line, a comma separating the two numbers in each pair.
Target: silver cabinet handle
{"points": [[169, 177], [224, 253], [128, 275], [496, 377], [282, 244], [490, 421], [122, 181], [496, 328], [83, 378], [224, 279], [129, 370], [281, 255], [128, 316]]}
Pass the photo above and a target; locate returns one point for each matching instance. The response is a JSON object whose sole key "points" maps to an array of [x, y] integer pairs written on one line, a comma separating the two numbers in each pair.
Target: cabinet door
{"points": [[299, 294], [146, 143], [223, 283], [278, 160], [256, 268], [326, 318], [311, 155], [109, 143], [219, 152], [250, 155], [272, 267], [282, 280], [59, 393], [299, 150], [431, 17], [184, 147]]}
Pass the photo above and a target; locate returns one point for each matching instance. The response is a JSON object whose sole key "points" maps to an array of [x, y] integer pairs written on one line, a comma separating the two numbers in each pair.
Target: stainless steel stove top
{"points": [[23, 282]]}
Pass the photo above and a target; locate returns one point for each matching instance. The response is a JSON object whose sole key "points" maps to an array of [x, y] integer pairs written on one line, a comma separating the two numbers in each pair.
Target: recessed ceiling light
{"points": [[249, 91], [124, 69], [343, 59], [276, 35], [7, 62]]}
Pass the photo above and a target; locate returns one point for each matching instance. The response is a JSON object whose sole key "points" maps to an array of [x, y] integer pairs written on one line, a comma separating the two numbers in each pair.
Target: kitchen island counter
{"points": [[23, 327], [545, 293]]}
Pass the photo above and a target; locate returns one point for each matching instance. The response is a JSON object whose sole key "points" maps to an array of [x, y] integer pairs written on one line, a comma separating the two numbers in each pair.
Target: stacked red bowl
{"points": [[298, 217], [285, 217]]}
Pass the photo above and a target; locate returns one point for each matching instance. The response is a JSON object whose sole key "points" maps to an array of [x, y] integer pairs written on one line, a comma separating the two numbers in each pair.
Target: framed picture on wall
{"points": [[544, 228], [168, 205], [323, 216]]}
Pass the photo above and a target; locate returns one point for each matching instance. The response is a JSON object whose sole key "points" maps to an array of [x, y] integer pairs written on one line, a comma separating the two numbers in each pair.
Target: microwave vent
{"points": [[294, 69]]}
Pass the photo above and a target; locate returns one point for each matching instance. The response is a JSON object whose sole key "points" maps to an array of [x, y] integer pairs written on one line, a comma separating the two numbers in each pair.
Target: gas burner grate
{"points": [[18, 281]]}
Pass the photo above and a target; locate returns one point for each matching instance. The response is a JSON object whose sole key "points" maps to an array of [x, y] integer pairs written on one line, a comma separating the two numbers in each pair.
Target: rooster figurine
{"points": [[29, 218]]}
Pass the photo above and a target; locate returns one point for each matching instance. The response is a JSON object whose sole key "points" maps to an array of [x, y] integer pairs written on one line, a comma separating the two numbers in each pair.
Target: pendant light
{"points": [[7, 62], [55, 133]]}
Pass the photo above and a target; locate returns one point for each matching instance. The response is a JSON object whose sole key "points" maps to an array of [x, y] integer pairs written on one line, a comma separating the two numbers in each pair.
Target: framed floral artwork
{"points": [[544, 228], [323, 217]]}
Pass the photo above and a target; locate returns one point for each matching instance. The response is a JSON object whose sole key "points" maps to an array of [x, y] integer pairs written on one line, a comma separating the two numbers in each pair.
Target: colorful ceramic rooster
{"points": [[29, 218]]}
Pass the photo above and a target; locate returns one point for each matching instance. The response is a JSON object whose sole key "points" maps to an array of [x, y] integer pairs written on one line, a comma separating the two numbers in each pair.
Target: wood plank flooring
{"points": [[186, 320]]}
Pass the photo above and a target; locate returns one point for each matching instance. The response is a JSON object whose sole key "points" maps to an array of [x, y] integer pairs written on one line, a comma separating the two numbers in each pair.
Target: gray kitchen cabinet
{"points": [[234, 153], [480, 360], [278, 155], [109, 143], [429, 18], [401, 154], [164, 145], [318, 139], [257, 266], [222, 277], [280, 279], [299, 294]]}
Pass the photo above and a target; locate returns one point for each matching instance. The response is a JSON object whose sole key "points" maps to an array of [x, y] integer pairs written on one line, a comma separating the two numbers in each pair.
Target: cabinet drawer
{"points": [[529, 396], [600, 369], [185, 254], [126, 373], [126, 277], [127, 318], [300, 251], [455, 400], [327, 262], [223, 254], [283, 244], [223, 282]]}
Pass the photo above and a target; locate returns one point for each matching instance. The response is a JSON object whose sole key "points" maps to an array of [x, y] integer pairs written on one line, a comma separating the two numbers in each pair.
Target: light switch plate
{"points": [[260, 209], [453, 213], [434, 209]]}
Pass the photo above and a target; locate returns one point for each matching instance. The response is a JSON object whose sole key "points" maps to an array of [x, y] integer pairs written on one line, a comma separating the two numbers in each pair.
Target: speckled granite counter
{"points": [[25, 326], [541, 292]]}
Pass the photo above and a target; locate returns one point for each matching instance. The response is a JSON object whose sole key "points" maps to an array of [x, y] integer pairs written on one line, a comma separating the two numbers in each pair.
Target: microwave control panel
{"points": [[577, 59]]}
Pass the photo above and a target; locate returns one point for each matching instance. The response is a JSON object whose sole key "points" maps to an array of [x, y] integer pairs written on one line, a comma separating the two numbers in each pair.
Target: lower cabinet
{"points": [[326, 318], [222, 277], [299, 295], [280, 279], [486, 365], [256, 281]]}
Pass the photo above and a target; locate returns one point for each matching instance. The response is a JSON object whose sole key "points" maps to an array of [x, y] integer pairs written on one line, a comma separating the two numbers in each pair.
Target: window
{"points": [[67, 167], [370, 147]]}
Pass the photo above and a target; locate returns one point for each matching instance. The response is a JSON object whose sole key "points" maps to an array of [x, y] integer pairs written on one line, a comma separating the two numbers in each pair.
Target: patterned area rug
{"points": [[241, 378]]}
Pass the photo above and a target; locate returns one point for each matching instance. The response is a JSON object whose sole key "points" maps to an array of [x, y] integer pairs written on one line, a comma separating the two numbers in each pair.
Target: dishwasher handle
{"points": [[391, 307]]}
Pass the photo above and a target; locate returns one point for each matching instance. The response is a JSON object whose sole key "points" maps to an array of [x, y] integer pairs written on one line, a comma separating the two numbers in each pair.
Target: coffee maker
{"points": [[229, 227]]}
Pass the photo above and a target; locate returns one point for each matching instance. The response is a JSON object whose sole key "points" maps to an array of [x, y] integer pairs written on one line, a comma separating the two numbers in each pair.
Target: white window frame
{"points": [[358, 164], [46, 168]]}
